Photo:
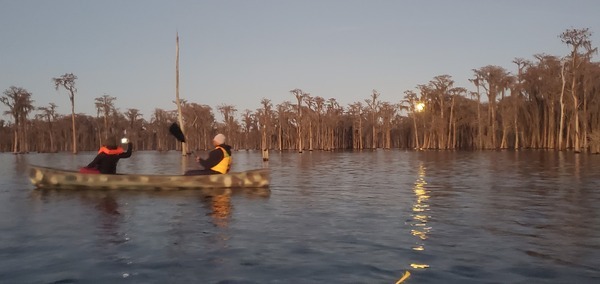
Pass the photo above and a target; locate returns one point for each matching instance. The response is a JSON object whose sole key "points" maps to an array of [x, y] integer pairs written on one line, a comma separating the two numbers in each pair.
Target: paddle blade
{"points": [[176, 131]]}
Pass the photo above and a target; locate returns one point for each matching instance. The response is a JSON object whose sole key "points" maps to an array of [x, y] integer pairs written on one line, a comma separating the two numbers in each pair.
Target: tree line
{"points": [[551, 102]]}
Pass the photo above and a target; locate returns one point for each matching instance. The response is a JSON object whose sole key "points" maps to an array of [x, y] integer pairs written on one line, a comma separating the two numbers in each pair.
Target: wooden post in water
{"points": [[263, 139], [177, 101]]}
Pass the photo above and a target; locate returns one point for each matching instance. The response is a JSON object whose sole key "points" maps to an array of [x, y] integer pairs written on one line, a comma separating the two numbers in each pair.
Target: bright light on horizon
{"points": [[420, 107]]}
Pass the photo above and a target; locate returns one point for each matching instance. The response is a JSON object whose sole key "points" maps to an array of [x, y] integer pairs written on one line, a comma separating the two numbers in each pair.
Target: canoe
{"points": [[45, 177]]}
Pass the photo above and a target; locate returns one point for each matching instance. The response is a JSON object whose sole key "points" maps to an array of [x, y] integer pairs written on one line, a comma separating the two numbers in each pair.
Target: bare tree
{"points": [[454, 93], [439, 90], [319, 104], [310, 105], [202, 121], [134, 125], [49, 115], [477, 82], [67, 81], [300, 96], [577, 39], [493, 80], [284, 114], [228, 112], [334, 114], [264, 118], [248, 121], [105, 105], [387, 114], [517, 94], [373, 105], [177, 100], [19, 102], [411, 100], [160, 123]]}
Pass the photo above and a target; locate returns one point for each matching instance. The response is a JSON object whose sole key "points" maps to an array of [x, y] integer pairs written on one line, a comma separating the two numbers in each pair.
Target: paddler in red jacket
{"points": [[108, 156]]}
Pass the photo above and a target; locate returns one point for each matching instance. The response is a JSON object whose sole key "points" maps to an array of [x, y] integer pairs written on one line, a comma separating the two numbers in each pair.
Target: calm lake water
{"points": [[341, 217]]}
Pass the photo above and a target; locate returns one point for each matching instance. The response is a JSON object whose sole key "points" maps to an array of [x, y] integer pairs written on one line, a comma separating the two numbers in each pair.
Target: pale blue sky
{"points": [[238, 52]]}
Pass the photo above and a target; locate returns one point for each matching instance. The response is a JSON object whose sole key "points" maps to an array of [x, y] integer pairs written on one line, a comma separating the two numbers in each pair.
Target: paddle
{"points": [[175, 130]]}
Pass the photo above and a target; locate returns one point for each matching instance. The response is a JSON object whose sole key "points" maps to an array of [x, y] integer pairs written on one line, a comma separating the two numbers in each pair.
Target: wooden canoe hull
{"points": [[44, 177]]}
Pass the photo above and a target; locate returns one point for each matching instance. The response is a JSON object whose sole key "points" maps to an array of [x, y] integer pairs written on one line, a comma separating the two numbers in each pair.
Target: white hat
{"points": [[219, 139]]}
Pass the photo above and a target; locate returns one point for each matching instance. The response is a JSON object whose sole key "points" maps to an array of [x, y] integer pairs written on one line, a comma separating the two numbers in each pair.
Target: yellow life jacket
{"points": [[224, 165]]}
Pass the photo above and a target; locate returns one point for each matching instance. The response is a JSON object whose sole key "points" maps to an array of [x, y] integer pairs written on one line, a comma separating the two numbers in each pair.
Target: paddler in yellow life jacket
{"points": [[218, 161], [108, 156]]}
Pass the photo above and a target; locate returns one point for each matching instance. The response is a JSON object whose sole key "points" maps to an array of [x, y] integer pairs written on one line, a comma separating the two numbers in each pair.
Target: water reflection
{"points": [[21, 163], [108, 205], [219, 205], [420, 215], [503, 216], [219, 208], [110, 218], [104, 203]]}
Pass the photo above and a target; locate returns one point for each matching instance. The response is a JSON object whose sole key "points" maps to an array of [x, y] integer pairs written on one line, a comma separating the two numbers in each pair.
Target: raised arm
{"points": [[128, 153]]}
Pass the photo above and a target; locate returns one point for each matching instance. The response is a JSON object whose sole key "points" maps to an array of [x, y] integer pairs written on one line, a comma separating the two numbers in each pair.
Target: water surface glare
{"points": [[331, 217]]}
